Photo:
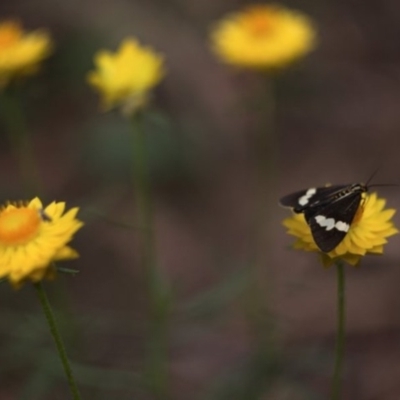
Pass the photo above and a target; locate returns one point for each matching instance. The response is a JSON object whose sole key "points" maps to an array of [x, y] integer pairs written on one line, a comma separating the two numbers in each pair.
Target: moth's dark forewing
{"points": [[342, 210], [321, 193], [291, 200], [326, 240]]}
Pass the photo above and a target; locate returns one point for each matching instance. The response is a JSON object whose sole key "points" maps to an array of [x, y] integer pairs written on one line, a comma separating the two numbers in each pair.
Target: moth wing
{"points": [[330, 224], [293, 200]]}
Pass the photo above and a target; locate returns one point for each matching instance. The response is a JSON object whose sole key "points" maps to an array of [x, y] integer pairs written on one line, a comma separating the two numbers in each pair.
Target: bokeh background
{"points": [[337, 119]]}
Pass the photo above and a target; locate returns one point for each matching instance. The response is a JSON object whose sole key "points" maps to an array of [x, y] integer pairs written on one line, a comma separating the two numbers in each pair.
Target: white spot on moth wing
{"points": [[303, 200], [329, 224], [342, 226], [324, 222]]}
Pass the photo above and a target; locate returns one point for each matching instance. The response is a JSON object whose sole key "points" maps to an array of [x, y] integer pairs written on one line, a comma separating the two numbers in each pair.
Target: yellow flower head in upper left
{"points": [[21, 52], [263, 36], [368, 232], [125, 78], [32, 237]]}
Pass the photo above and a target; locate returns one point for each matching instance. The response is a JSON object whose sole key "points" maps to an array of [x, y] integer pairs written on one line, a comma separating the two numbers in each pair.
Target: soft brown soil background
{"points": [[337, 120]]}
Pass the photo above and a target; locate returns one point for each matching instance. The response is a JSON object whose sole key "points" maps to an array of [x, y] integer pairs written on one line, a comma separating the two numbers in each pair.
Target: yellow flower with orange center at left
{"points": [[368, 232], [21, 52], [263, 37], [126, 77], [32, 238]]}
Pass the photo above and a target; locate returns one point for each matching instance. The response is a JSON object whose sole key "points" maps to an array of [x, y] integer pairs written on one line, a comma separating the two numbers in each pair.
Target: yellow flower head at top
{"points": [[367, 234], [124, 78], [21, 52], [262, 37], [33, 237]]}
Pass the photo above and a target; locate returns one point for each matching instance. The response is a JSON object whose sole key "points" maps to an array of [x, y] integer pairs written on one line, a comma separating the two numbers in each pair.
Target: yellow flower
{"points": [[20, 52], [125, 78], [33, 237], [263, 36], [367, 234]]}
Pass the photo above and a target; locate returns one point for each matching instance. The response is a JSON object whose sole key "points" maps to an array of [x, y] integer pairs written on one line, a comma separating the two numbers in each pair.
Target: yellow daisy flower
{"points": [[21, 52], [263, 36], [124, 78], [367, 234], [32, 237]]}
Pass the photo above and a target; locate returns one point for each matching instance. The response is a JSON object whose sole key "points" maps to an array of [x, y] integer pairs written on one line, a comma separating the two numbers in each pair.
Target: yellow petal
{"points": [[32, 258]]}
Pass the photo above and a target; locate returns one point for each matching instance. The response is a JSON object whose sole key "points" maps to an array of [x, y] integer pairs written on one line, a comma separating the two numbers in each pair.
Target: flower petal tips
{"points": [[263, 37], [367, 234], [125, 78], [33, 237], [21, 52]]}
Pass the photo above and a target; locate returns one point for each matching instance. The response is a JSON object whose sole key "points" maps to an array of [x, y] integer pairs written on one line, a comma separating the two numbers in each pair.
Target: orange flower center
{"points": [[18, 225], [10, 33], [259, 22]]}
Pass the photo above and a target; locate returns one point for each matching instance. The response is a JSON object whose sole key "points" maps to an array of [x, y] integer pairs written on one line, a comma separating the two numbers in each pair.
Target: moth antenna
{"points": [[372, 175]]}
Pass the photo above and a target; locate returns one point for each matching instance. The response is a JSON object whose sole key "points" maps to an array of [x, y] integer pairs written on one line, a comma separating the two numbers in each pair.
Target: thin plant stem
{"points": [[340, 338], [11, 109], [19, 139], [264, 142], [58, 340], [155, 373]]}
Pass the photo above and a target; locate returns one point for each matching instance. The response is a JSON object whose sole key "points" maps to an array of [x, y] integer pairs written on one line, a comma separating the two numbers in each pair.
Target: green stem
{"points": [[156, 355], [340, 339], [57, 339], [19, 139], [264, 142]]}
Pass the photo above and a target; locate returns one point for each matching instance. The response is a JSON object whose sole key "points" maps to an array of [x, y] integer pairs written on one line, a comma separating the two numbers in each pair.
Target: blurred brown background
{"points": [[337, 120]]}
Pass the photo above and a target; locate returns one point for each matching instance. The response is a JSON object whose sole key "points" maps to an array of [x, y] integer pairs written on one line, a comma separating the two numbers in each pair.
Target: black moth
{"points": [[329, 211]]}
